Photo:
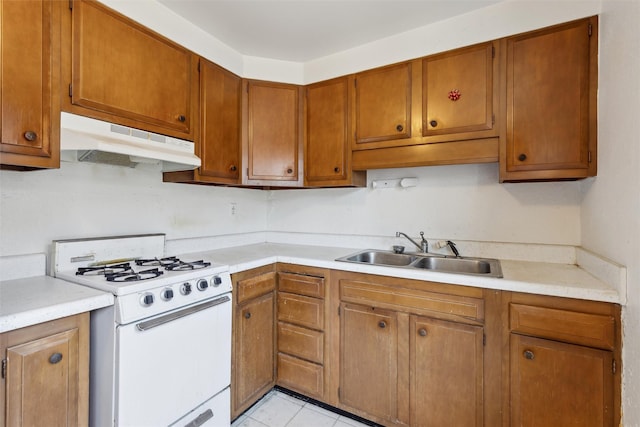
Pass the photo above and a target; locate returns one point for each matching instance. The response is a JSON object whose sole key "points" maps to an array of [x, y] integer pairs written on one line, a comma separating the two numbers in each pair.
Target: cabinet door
{"points": [[328, 144], [122, 70], [383, 104], [551, 103], [254, 358], [459, 92], [272, 131], [43, 381], [446, 373], [29, 91], [559, 384], [219, 139], [369, 360]]}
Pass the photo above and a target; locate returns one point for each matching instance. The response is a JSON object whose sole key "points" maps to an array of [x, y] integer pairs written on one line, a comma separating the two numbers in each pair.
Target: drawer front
{"points": [[301, 342], [300, 284], [301, 310], [411, 300], [256, 286], [594, 330], [300, 375]]}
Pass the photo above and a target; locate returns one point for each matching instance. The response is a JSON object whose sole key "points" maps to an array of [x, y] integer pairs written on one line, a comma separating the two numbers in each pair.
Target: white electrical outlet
{"points": [[233, 208]]}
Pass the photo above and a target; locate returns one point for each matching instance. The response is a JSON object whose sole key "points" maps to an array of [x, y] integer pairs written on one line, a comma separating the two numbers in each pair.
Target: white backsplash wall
{"points": [[454, 202], [87, 200]]}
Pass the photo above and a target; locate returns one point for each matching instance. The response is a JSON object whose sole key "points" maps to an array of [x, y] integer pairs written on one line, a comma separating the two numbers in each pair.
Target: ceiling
{"points": [[303, 30]]}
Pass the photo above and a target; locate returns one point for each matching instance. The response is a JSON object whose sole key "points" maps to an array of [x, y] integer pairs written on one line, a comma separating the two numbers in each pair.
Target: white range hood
{"points": [[90, 140]]}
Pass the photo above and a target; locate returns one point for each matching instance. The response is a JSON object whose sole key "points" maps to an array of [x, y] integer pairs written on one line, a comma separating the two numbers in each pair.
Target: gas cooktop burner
{"points": [[103, 269], [132, 276], [163, 262], [187, 266]]}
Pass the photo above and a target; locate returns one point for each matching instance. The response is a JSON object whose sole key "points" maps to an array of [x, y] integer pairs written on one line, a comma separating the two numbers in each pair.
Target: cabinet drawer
{"points": [[256, 286], [301, 342], [300, 284], [301, 310], [411, 300], [595, 330], [300, 375]]}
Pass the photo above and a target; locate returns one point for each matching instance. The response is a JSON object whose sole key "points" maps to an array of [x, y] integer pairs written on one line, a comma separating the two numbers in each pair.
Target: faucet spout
{"points": [[423, 245]]}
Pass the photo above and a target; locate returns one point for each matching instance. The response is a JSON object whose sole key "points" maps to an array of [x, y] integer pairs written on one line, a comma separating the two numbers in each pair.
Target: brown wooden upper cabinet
{"points": [[383, 105], [30, 88], [460, 93], [218, 141], [551, 130], [120, 71], [327, 140], [272, 135]]}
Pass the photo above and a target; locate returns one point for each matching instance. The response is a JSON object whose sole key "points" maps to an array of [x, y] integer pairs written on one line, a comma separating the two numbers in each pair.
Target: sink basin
{"points": [[433, 262], [380, 258], [455, 265]]}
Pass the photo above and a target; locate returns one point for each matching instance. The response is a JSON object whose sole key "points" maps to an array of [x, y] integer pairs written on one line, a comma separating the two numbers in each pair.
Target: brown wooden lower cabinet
{"points": [[253, 348], [46, 374], [404, 352]]}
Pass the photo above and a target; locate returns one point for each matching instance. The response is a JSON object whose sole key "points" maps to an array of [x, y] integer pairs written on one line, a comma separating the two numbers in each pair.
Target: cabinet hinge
{"points": [[338, 392], [71, 4], [4, 368], [493, 119], [613, 366], [589, 157], [590, 29], [198, 66], [493, 51], [338, 311], [484, 339], [70, 91]]}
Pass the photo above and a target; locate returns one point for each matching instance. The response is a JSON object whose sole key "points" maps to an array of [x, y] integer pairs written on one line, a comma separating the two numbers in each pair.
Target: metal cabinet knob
{"points": [[289, 170], [233, 168], [422, 332], [182, 118], [336, 169], [30, 135], [522, 157], [399, 128], [528, 354], [433, 123], [382, 324], [247, 315], [55, 358]]}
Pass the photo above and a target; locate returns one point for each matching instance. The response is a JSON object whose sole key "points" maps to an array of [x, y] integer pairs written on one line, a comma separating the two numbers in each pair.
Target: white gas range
{"points": [[161, 355]]}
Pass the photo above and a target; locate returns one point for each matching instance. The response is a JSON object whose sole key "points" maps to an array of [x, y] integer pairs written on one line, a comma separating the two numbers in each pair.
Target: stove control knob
{"points": [[167, 294], [202, 284], [185, 289], [217, 281], [146, 299]]}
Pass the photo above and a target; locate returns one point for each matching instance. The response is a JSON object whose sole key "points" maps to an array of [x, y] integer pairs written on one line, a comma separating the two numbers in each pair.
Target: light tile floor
{"points": [[277, 409]]}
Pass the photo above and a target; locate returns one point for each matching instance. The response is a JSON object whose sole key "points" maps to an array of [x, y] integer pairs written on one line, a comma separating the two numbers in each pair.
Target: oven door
{"points": [[169, 364]]}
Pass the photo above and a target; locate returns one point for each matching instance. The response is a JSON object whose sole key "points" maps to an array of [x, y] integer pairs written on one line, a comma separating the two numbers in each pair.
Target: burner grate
{"points": [[103, 270], [132, 276]]}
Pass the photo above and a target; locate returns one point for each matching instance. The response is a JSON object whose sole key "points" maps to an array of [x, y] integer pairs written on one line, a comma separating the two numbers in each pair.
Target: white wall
{"points": [[88, 200], [611, 206], [455, 202]]}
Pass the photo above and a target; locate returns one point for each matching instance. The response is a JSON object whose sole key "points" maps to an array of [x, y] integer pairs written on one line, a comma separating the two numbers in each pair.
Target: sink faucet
{"points": [[423, 246]]}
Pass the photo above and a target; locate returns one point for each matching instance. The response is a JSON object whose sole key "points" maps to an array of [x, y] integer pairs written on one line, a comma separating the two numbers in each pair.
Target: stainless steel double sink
{"points": [[487, 267]]}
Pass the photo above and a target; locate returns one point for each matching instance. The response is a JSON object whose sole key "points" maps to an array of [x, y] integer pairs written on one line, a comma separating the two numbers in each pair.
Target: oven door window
{"points": [[171, 363]]}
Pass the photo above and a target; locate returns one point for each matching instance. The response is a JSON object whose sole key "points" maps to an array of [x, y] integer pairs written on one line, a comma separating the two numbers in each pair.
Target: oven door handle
{"points": [[150, 324]]}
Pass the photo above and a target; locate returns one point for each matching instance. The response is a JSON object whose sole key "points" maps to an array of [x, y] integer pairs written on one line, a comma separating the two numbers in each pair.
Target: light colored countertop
{"points": [[544, 278], [28, 301], [33, 300]]}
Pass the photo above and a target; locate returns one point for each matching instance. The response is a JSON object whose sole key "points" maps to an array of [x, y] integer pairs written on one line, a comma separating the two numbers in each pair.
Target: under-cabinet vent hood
{"points": [[88, 140]]}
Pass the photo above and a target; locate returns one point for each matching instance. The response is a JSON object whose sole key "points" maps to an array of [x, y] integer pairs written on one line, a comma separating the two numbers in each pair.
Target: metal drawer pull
{"points": [[201, 419], [55, 358], [149, 324], [528, 354]]}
